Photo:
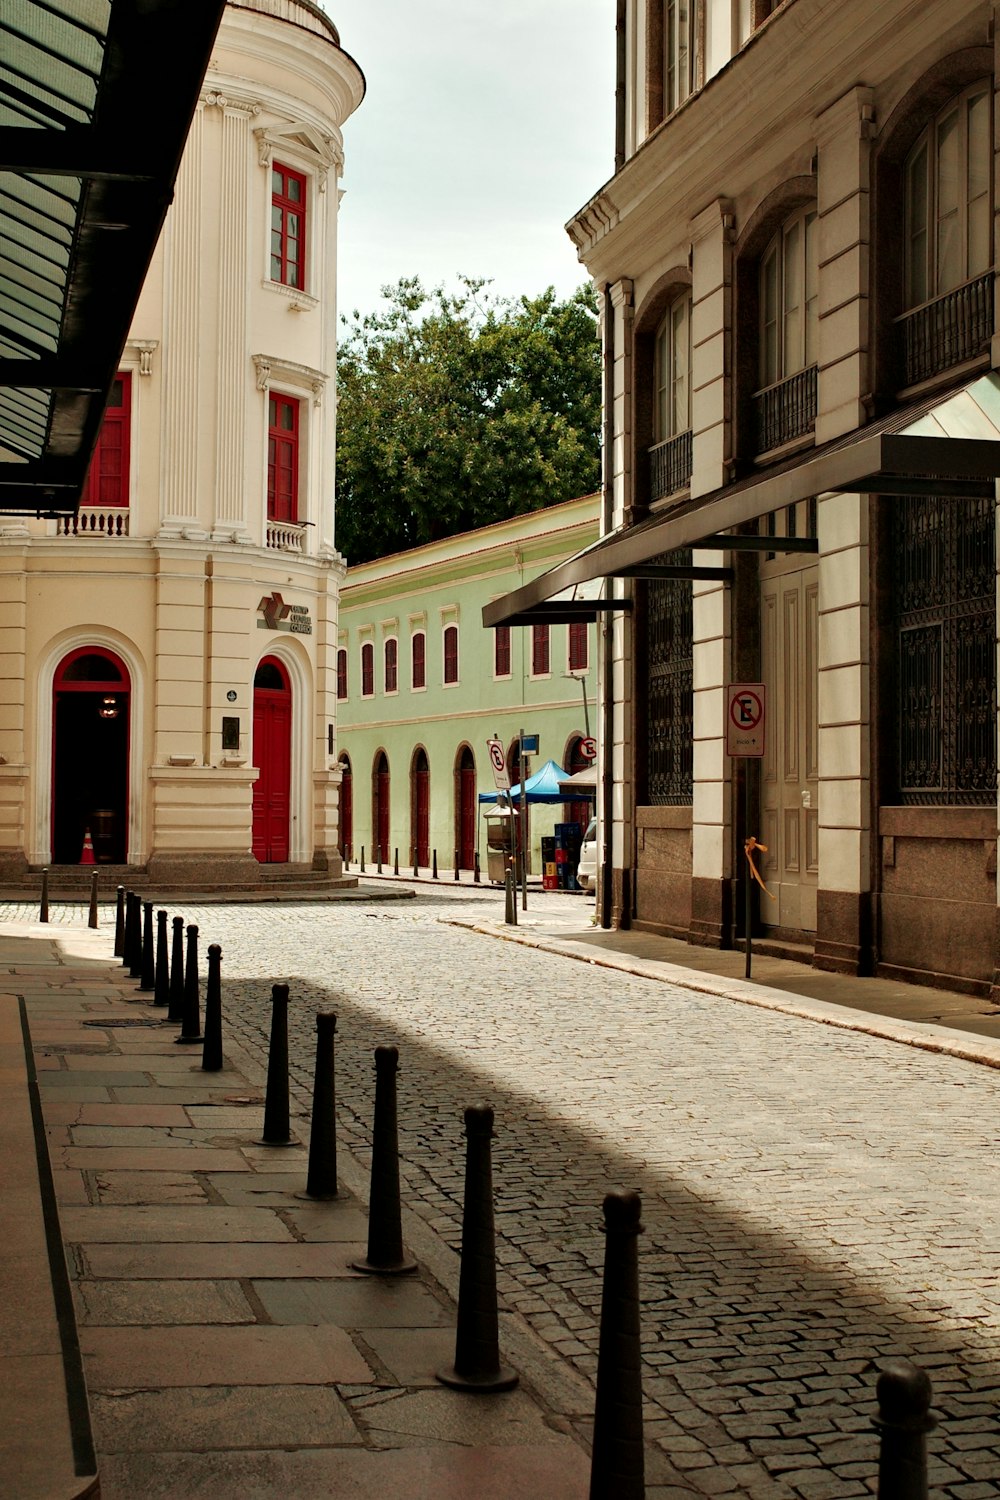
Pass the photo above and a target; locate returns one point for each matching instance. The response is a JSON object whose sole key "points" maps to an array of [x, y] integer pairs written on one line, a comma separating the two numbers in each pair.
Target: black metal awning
{"points": [[874, 460], [96, 100]]}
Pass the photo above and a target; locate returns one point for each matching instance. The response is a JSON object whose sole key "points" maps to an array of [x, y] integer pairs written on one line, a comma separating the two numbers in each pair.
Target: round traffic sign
{"points": [[497, 756], [746, 709], [588, 748]]}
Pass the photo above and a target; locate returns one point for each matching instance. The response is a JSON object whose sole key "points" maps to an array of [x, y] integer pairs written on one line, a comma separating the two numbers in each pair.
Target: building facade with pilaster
{"points": [[796, 255], [169, 654]]}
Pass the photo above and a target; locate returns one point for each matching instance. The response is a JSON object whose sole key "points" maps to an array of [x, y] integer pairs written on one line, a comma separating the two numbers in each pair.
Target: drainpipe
{"points": [[620, 86], [608, 704]]}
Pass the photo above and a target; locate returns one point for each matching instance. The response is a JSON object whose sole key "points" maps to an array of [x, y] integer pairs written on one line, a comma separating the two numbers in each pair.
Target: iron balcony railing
{"points": [[669, 466], [947, 331], [785, 411]]}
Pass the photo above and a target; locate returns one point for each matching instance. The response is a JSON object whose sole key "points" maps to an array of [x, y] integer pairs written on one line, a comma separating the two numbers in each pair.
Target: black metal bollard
{"points": [[176, 1011], [120, 923], [147, 979], [92, 915], [127, 932], [161, 989], [475, 868], [378, 869], [510, 900], [434, 866], [903, 1422], [133, 937], [395, 861], [457, 877], [43, 904], [385, 1231], [191, 1019], [321, 1180], [211, 1056], [477, 1364], [416, 866], [276, 1130], [362, 869], [617, 1463]]}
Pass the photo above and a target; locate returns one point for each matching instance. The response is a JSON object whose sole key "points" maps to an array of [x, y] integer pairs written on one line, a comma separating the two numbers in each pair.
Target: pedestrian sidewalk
{"points": [[229, 1349], [935, 1019]]}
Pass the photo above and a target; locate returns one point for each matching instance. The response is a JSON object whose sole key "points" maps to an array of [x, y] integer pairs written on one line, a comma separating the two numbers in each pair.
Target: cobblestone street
{"points": [[814, 1199]]}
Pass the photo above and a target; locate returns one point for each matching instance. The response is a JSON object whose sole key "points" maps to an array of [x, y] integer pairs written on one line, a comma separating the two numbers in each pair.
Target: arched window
{"points": [[948, 236], [418, 660], [672, 408], [451, 654], [788, 301], [391, 665], [367, 670]]}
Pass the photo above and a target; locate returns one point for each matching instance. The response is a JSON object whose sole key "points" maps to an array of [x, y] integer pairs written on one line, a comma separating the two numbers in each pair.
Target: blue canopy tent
{"points": [[542, 787]]}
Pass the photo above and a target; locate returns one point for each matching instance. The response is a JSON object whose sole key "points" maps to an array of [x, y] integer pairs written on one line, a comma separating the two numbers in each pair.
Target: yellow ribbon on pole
{"points": [[748, 848]]}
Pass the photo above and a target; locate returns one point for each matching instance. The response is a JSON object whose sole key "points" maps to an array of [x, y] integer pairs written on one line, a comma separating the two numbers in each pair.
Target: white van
{"points": [[586, 870]]}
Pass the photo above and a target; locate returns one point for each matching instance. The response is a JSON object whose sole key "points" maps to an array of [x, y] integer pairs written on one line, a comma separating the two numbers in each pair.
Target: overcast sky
{"points": [[486, 125]]}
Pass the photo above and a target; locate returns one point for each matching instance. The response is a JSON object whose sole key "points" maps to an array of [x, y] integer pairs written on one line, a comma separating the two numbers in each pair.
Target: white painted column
{"points": [[231, 285], [179, 444]]}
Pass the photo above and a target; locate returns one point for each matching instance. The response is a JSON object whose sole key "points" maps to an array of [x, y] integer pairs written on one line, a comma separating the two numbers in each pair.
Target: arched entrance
{"points": [[380, 806], [582, 810], [420, 808], [272, 755], [90, 716], [346, 808], [466, 808]]}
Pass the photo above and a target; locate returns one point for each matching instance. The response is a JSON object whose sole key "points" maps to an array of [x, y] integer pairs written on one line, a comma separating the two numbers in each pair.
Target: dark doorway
{"points": [[420, 805], [467, 808], [380, 806], [90, 757], [272, 755], [346, 809]]}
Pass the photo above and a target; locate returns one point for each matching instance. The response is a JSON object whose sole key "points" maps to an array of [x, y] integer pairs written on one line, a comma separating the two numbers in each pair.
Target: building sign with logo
{"points": [[277, 615]]}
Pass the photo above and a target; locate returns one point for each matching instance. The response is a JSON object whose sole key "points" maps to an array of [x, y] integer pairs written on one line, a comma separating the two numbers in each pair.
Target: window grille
{"points": [[670, 700], [943, 554]]}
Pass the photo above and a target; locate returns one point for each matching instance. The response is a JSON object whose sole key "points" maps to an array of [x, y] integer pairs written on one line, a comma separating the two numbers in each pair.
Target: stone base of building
{"points": [[13, 866], [843, 942], [711, 913]]}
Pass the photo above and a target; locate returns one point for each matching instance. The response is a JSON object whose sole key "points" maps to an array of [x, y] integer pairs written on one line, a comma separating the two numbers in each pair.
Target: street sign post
{"points": [[498, 765], [745, 740]]}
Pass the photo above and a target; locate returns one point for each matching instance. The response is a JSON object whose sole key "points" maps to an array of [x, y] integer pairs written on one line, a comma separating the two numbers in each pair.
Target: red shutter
{"points": [[539, 650], [367, 670], [282, 459], [108, 476], [341, 673], [451, 654], [578, 646], [501, 651], [391, 660], [418, 661]]}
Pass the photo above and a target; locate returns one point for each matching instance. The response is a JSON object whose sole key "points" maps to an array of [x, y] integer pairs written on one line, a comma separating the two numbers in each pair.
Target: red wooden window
{"points": [[418, 660], [282, 458], [342, 673], [288, 226], [107, 478], [578, 646], [539, 650], [367, 670], [501, 651], [391, 665], [451, 654]]}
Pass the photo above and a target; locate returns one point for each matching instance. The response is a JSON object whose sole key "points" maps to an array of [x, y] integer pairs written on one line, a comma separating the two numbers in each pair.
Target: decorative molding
{"points": [[299, 377], [303, 143], [593, 222], [300, 301], [145, 348], [213, 99]]}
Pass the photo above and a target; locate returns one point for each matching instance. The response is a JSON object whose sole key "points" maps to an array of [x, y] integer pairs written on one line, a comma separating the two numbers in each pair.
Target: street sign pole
{"points": [[523, 822], [745, 740]]}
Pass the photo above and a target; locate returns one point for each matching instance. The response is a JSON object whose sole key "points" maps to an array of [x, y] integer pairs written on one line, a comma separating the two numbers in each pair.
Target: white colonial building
{"points": [[168, 656], [796, 254]]}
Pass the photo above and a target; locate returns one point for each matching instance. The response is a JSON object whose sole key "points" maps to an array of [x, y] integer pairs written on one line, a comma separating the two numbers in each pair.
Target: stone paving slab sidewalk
{"points": [[228, 1347]]}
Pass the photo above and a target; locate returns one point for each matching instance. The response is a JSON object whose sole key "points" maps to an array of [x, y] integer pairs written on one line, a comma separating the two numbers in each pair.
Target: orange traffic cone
{"points": [[87, 857]]}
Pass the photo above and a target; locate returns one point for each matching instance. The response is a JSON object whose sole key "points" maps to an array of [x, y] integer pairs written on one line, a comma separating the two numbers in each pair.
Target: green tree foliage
{"points": [[458, 410]]}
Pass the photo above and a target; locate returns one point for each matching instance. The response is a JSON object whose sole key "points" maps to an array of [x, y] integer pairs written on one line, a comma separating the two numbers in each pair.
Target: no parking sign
{"points": [[745, 718], [498, 764]]}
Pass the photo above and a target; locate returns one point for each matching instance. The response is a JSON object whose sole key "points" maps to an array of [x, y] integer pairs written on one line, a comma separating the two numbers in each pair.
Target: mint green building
{"points": [[422, 687]]}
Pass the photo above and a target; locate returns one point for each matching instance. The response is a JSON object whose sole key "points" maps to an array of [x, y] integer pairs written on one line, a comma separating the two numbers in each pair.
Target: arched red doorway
{"points": [[346, 808], [582, 810], [420, 808], [90, 718], [380, 806], [272, 755], [467, 807]]}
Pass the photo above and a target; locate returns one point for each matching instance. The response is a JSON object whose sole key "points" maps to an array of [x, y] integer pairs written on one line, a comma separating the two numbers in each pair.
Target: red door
{"points": [[272, 755], [346, 809], [380, 807], [421, 808], [467, 811]]}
